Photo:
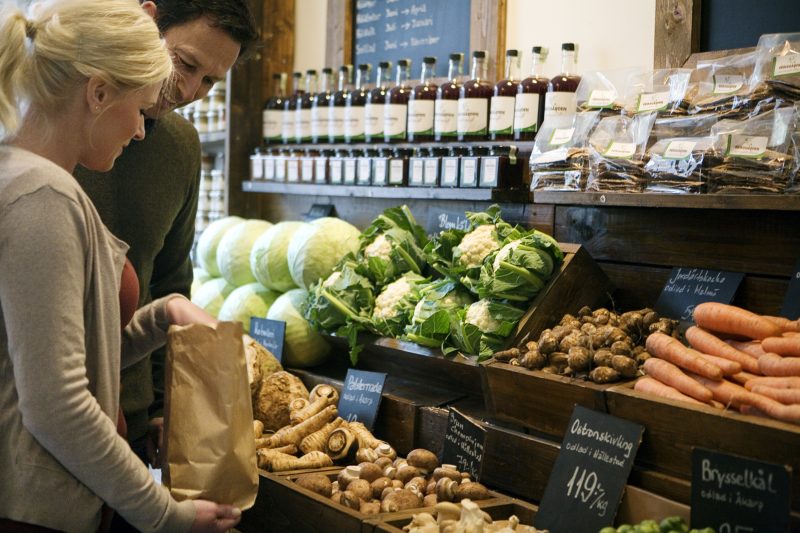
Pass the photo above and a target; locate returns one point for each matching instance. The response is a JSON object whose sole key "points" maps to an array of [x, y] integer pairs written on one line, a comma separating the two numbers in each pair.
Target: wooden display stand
{"points": [[497, 510]]}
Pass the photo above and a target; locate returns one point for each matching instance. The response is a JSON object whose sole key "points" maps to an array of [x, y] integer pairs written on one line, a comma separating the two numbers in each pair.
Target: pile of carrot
{"points": [[736, 359]]}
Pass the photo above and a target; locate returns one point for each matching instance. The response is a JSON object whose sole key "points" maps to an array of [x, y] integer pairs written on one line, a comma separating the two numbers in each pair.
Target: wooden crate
{"points": [[497, 510]]}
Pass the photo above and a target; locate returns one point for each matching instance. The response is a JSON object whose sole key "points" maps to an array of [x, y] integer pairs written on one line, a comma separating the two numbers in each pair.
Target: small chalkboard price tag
{"points": [[737, 495], [361, 396], [319, 211], [269, 333], [441, 220], [791, 303], [463, 444], [687, 287], [589, 476]]}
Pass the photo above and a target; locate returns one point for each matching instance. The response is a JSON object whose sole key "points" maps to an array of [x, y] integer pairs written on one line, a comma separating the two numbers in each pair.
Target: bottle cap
{"points": [[429, 60], [403, 63], [311, 72], [364, 66], [297, 75], [512, 53], [277, 75], [568, 47], [456, 56], [327, 70], [536, 49], [480, 54]]}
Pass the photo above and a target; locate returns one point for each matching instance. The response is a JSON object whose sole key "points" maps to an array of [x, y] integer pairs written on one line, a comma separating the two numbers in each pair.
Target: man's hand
{"points": [[214, 518], [155, 441]]}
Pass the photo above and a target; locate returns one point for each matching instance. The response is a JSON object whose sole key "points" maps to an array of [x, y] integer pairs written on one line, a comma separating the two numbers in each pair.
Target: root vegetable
{"points": [[732, 394], [276, 392], [671, 375], [785, 324], [505, 356], [533, 360], [785, 346], [777, 382], [315, 482], [742, 377], [365, 438], [785, 396], [324, 391], [671, 350], [341, 445], [624, 365], [579, 358], [751, 348], [708, 343], [734, 320], [308, 410], [727, 366], [316, 440], [295, 434], [602, 357], [772, 364], [652, 386], [604, 374], [258, 428], [281, 462]]}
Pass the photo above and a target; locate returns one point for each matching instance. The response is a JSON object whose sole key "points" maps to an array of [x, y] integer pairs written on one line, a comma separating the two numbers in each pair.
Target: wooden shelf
{"points": [[364, 191], [524, 147], [789, 202]]}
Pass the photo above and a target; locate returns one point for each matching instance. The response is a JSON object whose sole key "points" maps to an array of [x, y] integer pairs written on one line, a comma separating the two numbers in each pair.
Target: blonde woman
{"points": [[75, 76]]}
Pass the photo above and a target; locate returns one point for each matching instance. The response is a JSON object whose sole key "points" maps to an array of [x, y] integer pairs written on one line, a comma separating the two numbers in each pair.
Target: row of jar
{"points": [[477, 109], [208, 114], [494, 167]]}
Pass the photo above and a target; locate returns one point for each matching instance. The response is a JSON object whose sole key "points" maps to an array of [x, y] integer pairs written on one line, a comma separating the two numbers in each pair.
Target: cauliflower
{"points": [[386, 302], [476, 245], [426, 306], [333, 278], [380, 247], [478, 315], [505, 251]]}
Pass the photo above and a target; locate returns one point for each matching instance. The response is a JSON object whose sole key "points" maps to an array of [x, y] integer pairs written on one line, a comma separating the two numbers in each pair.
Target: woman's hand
{"points": [[214, 518], [182, 312]]}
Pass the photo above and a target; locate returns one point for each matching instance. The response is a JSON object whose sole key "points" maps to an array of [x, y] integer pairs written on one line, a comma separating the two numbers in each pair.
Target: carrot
{"points": [[776, 382], [727, 366], [742, 378], [703, 341], [669, 349], [736, 396], [725, 318], [774, 365], [782, 345], [785, 396], [752, 411], [751, 348], [785, 324], [669, 374], [791, 334], [652, 386]]}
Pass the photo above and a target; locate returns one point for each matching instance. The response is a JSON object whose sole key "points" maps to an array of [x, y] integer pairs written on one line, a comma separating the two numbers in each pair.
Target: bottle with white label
{"points": [[272, 115], [473, 102], [561, 99], [395, 110], [354, 106], [421, 102], [501, 118], [336, 107], [288, 128], [445, 109], [319, 107], [302, 124], [529, 104], [373, 106]]}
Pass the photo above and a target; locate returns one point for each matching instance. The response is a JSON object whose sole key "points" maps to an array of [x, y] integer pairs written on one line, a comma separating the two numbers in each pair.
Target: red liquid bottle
{"points": [[529, 104], [289, 106], [272, 116], [373, 107], [473, 102], [336, 107], [561, 98], [303, 112], [395, 110], [421, 104], [319, 107], [354, 106], [501, 118], [445, 109]]}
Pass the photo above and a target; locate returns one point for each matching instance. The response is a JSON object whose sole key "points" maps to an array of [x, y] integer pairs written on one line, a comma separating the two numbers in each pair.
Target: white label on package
{"points": [[501, 116], [619, 150], [473, 115], [679, 149], [394, 120], [526, 112], [349, 171], [364, 170], [552, 156], [468, 172], [445, 120], [450, 175], [561, 136], [559, 104], [417, 172], [307, 173], [746, 145], [420, 117], [601, 98], [373, 120], [727, 83], [786, 65], [652, 101], [396, 172]]}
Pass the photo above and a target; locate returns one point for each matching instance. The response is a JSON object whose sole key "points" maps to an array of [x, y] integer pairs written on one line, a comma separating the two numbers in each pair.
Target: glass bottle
{"points": [[319, 107], [373, 106], [473, 102], [395, 110], [529, 104], [336, 105], [501, 119], [272, 116], [289, 107], [445, 109], [303, 116], [421, 103], [561, 98], [354, 106]]}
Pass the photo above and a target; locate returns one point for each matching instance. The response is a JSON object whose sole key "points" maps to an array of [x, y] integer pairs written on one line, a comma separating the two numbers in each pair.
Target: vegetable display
{"points": [[233, 251], [316, 248], [672, 524], [268, 256], [467, 516]]}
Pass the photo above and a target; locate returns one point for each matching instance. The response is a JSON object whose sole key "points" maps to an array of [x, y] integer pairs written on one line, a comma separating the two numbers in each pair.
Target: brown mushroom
{"points": [[379, 485], [316, 482], [446, 471], [471, 490], [382, 462], [446, 489], [370, 471], [366, 455], [425, 460], [349, 499], [370, 507], [406, 472], [400, 500], [361, 488], [429, 500], [417, 484], [348, 475]]}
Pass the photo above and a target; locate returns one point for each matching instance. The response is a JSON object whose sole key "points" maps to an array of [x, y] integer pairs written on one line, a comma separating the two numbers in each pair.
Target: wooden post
{"points": [[677, 32], [339, 41], [277, 35], [488, 32]]}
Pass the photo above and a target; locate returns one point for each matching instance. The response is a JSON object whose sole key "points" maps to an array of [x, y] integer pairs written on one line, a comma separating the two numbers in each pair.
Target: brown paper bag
{"points": [[208, 417]]}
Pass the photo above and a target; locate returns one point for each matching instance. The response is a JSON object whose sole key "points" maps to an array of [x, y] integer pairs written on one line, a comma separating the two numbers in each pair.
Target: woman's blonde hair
{"points": [[59, 44]]}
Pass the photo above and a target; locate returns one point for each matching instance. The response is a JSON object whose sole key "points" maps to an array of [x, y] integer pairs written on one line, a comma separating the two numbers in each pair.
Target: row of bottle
{"points": [[456, 166], [475, 110]]}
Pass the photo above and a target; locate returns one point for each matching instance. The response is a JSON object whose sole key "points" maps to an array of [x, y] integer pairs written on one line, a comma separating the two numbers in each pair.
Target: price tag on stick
{"points": [[791, 303], [361, 396], [737, 495], [588, 479], [687, 287], [463, 444], [319, 211], [269, 333]]}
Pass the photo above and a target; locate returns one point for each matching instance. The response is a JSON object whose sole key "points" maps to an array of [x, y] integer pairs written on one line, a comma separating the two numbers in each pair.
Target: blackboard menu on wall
{"points": [[388, 30]]}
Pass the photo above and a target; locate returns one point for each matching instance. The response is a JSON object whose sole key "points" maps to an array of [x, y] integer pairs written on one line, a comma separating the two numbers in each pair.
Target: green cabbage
{"points": [[211, 295], [247, 301], [303, 347], [268, 256], [209, 241], [233, 251], [199, 276], [317, 247]]}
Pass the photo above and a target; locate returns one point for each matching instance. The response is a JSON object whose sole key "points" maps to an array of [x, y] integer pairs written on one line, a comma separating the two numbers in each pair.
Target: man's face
{"points": [[202, 54]]}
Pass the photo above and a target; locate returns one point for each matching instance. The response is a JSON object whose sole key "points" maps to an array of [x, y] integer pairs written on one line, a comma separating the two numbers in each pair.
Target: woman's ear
{"points": [[150, 8], [98, 94]]}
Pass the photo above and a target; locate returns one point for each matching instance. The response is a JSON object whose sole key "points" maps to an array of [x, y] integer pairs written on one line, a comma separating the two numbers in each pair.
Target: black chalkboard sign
{"points": [[588, 479], [388, 30], [737, 495], [319, 211], [443, 219], [361, 396], [687, 287], [463, 444], [270, 334], [791, 303]]}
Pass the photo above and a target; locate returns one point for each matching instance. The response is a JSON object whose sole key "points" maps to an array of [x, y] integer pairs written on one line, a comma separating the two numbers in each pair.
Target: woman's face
{"points": [[119, 121]]}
